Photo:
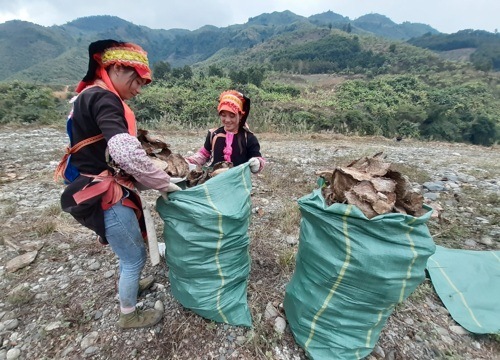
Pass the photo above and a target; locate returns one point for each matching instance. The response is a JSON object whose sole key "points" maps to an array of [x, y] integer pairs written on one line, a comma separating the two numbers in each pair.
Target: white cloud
{"points": [[444, 15]]}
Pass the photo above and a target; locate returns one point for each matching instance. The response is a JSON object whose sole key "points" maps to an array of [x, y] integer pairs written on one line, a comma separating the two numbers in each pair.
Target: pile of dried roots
{"points": [[373, 186], [174, 164], [199, 175]]}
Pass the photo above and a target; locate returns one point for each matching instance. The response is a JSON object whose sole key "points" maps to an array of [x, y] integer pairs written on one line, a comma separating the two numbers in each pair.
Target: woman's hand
{"points": [[254, 164], [170, 188]]}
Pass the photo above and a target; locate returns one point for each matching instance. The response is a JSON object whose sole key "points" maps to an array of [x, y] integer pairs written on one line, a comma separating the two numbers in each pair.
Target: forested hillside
{"points": [[322, 73], [29, 51], [486, 55]]}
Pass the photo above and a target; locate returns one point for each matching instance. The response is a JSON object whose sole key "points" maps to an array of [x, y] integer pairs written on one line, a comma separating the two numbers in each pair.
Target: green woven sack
{"points": [[350, 274], [207, 246], [468, 284]]}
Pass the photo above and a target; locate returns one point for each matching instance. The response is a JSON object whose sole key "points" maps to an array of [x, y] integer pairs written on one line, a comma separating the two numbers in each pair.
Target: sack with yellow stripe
{"points": [[350, 273], [207, 245]]}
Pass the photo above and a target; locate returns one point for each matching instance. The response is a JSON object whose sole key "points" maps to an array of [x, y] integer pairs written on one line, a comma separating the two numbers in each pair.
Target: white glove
{"points": [[170, 188], [161, 249], [254, 164]]}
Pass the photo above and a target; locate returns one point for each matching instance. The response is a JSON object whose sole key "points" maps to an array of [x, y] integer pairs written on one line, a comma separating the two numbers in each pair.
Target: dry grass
{"points": [[413, 173], [21, 296], [288, 218], [44, 227], [286, 260], [454, 227], [9, 210]]}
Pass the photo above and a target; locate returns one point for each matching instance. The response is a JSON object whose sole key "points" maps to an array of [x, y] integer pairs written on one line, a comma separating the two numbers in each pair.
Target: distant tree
{"points": [[441, 125], [214, 70], [359, 122], [334, 53], [187, 72], [183, 73], [483, 64], [483, 131], [409, 118], [239, 77], [161, 70], [255, 75]]}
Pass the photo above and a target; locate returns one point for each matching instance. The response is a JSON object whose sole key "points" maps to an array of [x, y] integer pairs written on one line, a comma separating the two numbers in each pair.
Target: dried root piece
{"points": [[198, 176], [380, 202], [365, 207], [341, 184], [153, 146], [160, 164], [161, 155], [220, 167], [406, 198], [327, 175], [177, 166]]}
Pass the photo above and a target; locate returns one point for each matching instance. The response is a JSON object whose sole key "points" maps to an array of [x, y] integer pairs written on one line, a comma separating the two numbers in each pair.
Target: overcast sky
{"points": [[446, 16]]}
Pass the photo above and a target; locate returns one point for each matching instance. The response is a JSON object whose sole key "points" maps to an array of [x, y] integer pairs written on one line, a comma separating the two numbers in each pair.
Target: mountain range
{"points": [[28, 50], [58, 54]]}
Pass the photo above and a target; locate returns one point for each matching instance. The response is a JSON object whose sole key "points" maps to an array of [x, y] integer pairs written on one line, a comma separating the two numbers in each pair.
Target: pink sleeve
{"points": [[128, 153], [200, 158]]}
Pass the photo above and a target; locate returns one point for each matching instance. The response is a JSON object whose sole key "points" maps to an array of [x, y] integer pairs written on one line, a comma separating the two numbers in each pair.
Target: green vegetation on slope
{"points": [[301, 77], [454, 106], [28, 104], [487, 45]]}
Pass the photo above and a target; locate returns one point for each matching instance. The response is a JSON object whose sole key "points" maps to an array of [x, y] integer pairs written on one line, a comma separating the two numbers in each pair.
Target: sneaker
{"points": [[140, 319], [146, 283]]}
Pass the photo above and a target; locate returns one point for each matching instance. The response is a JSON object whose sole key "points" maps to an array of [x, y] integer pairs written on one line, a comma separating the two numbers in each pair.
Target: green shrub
{"points": [[25, 103]]}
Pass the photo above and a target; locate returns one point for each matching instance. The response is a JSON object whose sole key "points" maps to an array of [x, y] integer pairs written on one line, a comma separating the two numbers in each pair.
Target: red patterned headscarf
{"points": [[231, 101], [235, 102], [127, 54], [104, 53]]}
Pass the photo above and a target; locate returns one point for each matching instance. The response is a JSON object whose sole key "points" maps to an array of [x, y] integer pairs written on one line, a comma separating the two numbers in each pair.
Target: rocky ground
{"points": [[63, 305]]}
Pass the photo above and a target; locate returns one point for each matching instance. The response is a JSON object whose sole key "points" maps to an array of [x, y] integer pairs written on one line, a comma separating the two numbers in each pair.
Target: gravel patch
{"points": [[63, 305]]}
